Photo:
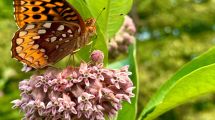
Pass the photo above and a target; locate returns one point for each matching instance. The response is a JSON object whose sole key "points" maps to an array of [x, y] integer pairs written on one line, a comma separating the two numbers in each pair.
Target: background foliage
{"points": [[170, 33]]}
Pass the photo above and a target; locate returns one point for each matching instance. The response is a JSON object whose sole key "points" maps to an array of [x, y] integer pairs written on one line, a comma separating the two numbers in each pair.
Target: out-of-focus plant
{"points": [[190, 82], [120, 42]]}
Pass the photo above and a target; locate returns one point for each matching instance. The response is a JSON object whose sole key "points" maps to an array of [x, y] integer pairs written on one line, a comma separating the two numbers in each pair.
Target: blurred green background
{"points": [[170, 34]]}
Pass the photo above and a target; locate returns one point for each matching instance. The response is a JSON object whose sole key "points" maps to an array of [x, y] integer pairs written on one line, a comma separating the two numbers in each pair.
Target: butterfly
{"points": [[48, 31]]}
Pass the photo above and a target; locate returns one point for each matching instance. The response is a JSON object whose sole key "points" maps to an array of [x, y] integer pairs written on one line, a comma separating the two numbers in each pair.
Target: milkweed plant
{"points": [[96, 89]]}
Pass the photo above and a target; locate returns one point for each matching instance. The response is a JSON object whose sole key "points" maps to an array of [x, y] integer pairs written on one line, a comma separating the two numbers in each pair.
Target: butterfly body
{"points": [[49, 31]]}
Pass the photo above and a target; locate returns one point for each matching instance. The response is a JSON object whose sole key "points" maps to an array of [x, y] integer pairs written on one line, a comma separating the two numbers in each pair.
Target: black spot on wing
{"points": [[36, 16], [35, 9]]}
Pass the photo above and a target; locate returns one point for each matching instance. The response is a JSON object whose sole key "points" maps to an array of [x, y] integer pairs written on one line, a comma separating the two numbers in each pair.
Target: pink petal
{"points": [[88, 96], [92, 76], [122, 81], [117, 85], [31, 103], [83, 68], [49, 105], [86, 81], [39, 77], [100, 94], [87, 115], [106, 90], [80, 99], [73, 110], [74, 74], [16, 103], [79, 114], [101, 77], [129, 90], [81, 106], [100, 107], [54, 110], [66, 98], [120, 96], [112, 80], [127, 98], [77, 80], [26, 68], [38, 84], [45, 88], [67, 116], [42, 105], [40, 111], [61, 109], [115, 99]]}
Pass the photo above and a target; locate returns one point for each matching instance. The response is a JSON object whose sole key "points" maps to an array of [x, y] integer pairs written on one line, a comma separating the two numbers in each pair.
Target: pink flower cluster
{"points": [[125, 36], [86, 92]]}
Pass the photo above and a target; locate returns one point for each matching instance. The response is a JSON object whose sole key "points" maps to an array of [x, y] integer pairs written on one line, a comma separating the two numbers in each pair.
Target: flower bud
{"points": [[97, 56]]}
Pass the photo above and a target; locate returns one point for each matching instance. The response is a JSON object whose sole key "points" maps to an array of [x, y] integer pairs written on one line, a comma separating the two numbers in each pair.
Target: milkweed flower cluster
{"points": [[125, 36], [89, 91]]}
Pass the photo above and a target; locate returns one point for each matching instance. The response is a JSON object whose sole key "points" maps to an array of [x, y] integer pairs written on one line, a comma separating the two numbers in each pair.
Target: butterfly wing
{"points": [[43, 43], [30, 11]]}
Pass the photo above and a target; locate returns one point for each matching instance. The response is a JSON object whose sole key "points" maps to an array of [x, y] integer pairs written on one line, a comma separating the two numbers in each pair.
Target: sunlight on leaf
{"points": [[100, 41], [112, 17], [193, 80]]}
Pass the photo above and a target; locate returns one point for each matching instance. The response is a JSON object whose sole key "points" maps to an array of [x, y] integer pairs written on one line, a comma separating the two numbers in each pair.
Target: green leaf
{"points": [[111, 18], [100, 42], [193, 80], [81, 7], [6, 112], [129, 111]]}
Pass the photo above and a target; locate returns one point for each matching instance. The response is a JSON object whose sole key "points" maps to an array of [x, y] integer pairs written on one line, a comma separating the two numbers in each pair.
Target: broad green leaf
{"points": [[193, 80], [119, 64], [100, 41], [82, 8], [129, 111], [111, 19]]}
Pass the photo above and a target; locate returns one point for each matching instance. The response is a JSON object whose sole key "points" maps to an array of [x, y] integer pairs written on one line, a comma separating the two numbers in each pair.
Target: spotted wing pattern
{"points": [[43, 43], [29, 11], [49, 30]]}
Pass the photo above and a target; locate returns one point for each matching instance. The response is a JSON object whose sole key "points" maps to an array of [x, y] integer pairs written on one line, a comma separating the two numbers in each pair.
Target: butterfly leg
{"points": [[69, 60]]}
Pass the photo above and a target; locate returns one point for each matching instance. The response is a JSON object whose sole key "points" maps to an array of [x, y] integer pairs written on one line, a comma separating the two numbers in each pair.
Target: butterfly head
{"points": [[90, 26]]}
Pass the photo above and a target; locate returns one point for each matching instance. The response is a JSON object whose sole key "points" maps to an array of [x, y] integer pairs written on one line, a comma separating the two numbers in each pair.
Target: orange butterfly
{"points": [[49, 31]]}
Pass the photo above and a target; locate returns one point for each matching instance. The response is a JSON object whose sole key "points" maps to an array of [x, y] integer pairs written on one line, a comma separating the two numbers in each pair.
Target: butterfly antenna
{"points": [[68, 62], [100, 14], [91, 48], [98, 18], [73, 59]]}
